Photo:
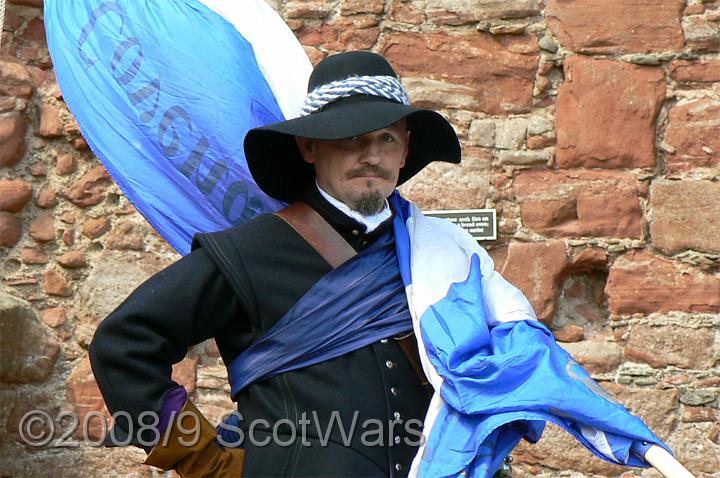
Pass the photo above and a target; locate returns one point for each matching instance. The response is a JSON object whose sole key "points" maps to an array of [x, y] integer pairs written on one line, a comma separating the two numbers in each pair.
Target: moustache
{"points": [[369, 170]]}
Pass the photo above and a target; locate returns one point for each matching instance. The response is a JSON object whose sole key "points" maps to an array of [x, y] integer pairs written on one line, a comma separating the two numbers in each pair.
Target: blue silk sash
{"points": [[354, 305]]}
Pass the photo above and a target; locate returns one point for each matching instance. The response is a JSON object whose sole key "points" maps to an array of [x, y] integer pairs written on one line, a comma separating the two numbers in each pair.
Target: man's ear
{"points": [[307, 148], [406, 150]]}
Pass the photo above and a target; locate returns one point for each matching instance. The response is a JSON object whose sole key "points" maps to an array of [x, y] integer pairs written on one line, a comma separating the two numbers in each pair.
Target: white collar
{"points": [[371, 222]]}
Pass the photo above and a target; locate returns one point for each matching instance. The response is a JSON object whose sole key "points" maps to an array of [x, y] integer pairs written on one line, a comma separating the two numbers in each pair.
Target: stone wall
{"points": [[593, 127]]}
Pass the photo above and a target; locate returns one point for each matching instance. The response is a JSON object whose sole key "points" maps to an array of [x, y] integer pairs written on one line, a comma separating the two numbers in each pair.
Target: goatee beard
{"points": [[369, 203]]}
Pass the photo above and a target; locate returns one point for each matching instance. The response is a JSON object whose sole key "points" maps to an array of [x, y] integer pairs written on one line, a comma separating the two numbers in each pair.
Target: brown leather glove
{"points": [[194, 456]]}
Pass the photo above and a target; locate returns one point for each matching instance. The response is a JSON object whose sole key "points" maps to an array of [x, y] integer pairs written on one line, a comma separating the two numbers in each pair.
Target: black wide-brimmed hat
{"points": [[349, 94]]}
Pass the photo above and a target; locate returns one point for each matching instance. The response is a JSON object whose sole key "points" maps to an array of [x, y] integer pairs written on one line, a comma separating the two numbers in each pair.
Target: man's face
{"points": [[360, 171]]}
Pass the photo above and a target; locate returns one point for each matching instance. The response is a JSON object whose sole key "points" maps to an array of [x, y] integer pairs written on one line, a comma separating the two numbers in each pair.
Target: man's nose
{"points": [[372, 153]]}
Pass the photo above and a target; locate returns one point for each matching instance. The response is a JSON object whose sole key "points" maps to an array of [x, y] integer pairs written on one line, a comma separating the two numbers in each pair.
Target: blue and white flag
{"points": [[497, 372], [164, 92]]}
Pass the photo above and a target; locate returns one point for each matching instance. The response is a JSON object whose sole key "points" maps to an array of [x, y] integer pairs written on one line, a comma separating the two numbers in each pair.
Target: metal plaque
{"points": [[480, 223]]}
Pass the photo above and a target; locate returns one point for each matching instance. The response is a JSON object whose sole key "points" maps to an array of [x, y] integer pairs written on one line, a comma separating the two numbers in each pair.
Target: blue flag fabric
{"points": [[498, 373], [164, 92]]}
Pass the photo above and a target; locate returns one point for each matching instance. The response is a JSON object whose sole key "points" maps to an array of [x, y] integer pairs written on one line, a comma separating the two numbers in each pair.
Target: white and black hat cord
{"points": [[384, 86]]}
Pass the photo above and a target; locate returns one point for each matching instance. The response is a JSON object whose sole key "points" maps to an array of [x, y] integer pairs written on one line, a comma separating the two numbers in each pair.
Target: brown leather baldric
{"points": [[318, 233], [335, 250]]}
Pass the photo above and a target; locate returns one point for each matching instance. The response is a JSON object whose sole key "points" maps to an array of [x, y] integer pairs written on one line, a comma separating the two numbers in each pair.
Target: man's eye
{"points": [[349, 142], [388, 138]]}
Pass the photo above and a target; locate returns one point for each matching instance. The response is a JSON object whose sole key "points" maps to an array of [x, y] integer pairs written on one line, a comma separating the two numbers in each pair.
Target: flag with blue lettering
{"points": [[164, 92], [498, 373]]}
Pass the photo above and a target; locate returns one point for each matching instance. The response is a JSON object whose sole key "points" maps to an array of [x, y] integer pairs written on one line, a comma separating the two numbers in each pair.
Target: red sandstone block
{"points": [[72, 260], [12, 139], [34, 31], [126, 236], [698, 414], [617, 26], [640, 282], [51, 125], [693, 132], [405, 12], [85, 397], [459, 12], [96, 227], [667, 345], [56, 284], [695, 71], [501, 70], [579, 203], [358, 32], [15, 79], [46, 198], [535, 269], [14, 194], [42, 229], [54, 316], [10, 229], [607, 113], [89, 189], [685, 215], [30, 255]]}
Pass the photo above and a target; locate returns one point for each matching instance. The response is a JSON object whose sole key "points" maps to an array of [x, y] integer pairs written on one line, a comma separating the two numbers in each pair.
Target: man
{"points": [[357, 141], [309, 308]]}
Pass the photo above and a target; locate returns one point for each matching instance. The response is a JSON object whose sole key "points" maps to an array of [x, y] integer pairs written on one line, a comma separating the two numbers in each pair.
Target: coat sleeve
{"points": [[134, 348]]}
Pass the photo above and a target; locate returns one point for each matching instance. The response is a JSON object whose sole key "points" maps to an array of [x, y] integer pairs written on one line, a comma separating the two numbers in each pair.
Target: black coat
{"points": [[134, 348]]}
